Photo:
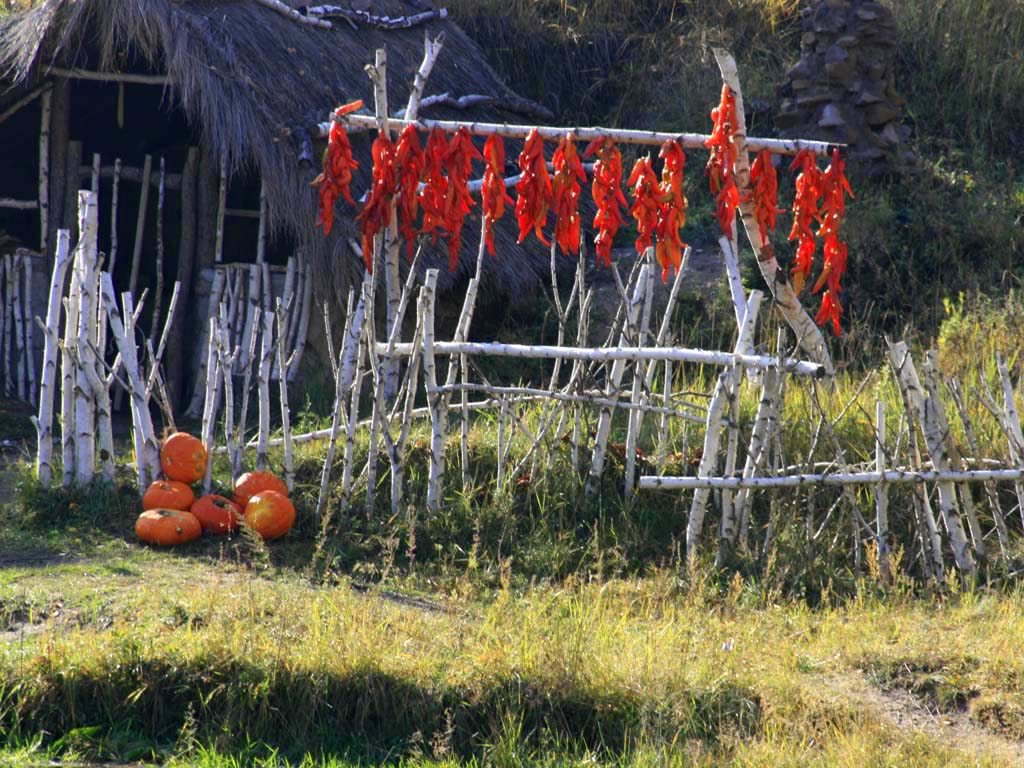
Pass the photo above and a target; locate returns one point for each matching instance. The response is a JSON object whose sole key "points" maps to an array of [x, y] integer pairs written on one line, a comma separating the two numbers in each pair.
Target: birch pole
{"points": [[299, 340], [85, 275], [263, 385], [340, 398], [222, 199], [67, 384], [634, 418], [44, 421], [30, 347], [5, 329], [46, 108], [881, 495], [282, 380], [212, 391], [808, 335], [13, 263], [251, 312], [604, 423], [927, 411], [140, 224], [261, 238], [158, 293], [194, 408], [114, 194], [226, 361], [435, 400]]}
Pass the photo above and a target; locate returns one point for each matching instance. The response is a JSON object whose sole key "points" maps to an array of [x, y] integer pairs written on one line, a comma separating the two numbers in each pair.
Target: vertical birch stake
{"points": [[85, 274], [194, 408], [225, 358], [261, 239], [67, 384], [604, 422], [5, 332], [94, 179], [158, 293], [13, 326], [340, 399], [19, 323], [46, 107], [299, 342], [634, 416], [252, 309], [263, 384], [212, 391], [222, 200], [140, 225], [357, 340], [881, 494], [114, 193], [282, 380], [30, 347], [435, 400], [786, 301], [44, 421]]}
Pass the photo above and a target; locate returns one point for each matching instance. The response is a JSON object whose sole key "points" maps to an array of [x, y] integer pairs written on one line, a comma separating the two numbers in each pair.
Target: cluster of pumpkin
{"points": [[173, 515]]}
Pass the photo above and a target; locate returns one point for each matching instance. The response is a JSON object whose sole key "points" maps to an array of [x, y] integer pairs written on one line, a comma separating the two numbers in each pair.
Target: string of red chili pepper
{"points": [[607, 194], [565, 195], [533, 190], [409, 161], [805, 210], [765, 194], [834, 189], [721, 164], [376, 213], [338, 164], [672, 209], [435, 184], [461, 154], [493, 193], [644, 185]]}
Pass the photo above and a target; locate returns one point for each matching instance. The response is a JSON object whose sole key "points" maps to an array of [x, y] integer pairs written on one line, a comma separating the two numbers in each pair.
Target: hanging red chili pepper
{"points": [[409, 161], [607, 193], [805, 210], [461, 154], [338, 165], [672, 209], [533, 190], [765, 194], [721, 164], [493, 193], [376, 213], [644, 185], [435, 183], [830, 312], [565, 195], [834, 189]]}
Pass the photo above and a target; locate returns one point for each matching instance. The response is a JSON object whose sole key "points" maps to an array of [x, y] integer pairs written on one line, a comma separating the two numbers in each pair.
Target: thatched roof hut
{"points": [[242, 85]]}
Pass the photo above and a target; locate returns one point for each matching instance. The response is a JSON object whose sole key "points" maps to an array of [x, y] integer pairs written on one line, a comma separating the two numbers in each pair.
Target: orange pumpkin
{"points": [[270, 514], [183, 458], [251, 483], [167, 527], [168, 494], [217, 514]]}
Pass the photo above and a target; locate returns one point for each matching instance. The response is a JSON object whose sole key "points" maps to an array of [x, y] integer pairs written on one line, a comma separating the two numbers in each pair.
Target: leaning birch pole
{"points": [[263, 386], [85, 275], [44, 421], [708, 461], [604, 423], [927, 412], [808, 335]]}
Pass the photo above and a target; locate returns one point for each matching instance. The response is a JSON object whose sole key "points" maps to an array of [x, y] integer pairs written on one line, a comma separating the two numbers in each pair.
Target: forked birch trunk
{"points": [[44, 421]]}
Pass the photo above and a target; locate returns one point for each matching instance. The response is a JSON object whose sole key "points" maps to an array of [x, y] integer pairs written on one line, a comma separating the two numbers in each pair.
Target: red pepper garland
{"points": [[461, 154], [435, 183], [672, 209], [608, 197], [834, 188], [765, 194], [409, 159], [805, 210], [565, 195], [493, 193], [338, 165], [533, 190], [721, 164], [376, 212], [644, 185]]}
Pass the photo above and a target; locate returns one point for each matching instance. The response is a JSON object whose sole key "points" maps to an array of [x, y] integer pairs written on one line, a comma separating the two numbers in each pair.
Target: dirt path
{"points": [[908, 712]]}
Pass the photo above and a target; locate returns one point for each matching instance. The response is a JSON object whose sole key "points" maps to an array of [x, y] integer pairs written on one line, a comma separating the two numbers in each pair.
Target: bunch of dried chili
{"points": [[409, 161], [338, 164], [376, 213], [721, 164], [533, 190], [435, 183], [671, 210], [493, 192], [565, 195], [607, 193], [834, 189], [461, 154], [765, 194], [644, 185], [805, 210]]}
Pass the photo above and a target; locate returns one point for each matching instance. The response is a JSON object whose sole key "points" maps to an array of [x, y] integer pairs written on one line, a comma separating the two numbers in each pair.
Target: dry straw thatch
{"points": [[251, 81]]}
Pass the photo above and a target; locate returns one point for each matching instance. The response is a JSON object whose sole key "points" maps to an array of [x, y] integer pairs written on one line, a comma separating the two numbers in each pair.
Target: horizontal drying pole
{"points": [[889, 477]]}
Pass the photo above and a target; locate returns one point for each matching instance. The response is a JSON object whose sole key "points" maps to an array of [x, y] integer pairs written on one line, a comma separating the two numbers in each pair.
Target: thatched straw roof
{"points": [[249, 80]]}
